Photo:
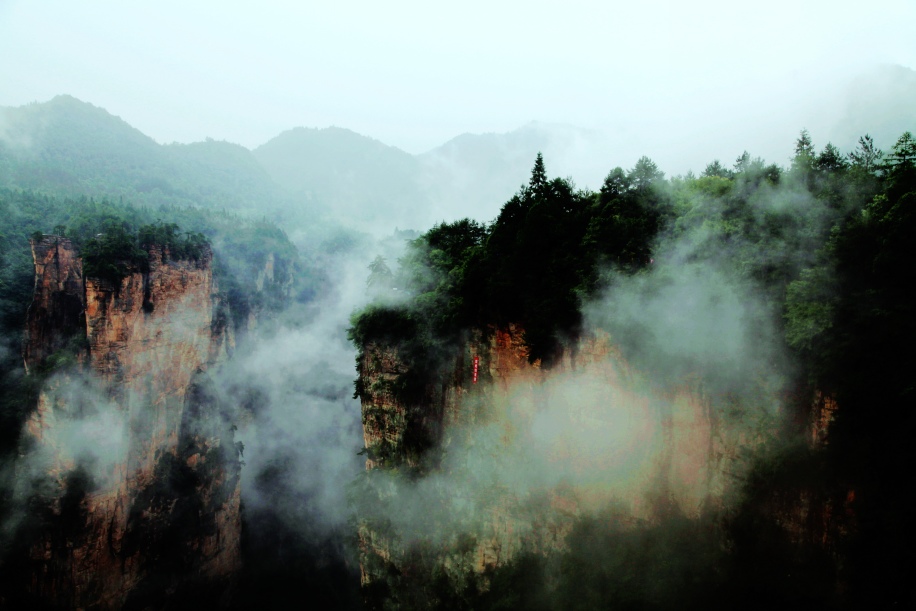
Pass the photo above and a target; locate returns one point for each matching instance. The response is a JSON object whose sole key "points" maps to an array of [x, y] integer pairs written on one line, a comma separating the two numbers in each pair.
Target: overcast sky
{"points": [[415, 73]]}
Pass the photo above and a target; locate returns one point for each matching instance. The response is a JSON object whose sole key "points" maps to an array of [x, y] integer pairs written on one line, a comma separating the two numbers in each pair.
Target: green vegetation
{"points": [[112, 254], [552, 246], [828, 244], [114, 239], [531, 266], [76, 148], [166, 236]]}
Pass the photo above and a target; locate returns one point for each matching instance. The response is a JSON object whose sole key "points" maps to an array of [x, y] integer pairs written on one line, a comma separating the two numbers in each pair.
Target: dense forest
{"points": [[827, 245]]}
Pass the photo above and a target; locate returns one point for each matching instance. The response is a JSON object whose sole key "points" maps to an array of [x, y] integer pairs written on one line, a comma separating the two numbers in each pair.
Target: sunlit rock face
{"points": [[135, 476], [525, 451]]}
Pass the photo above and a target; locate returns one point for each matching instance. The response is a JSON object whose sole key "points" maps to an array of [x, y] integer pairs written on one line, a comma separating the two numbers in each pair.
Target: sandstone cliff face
{"points": [[155, 505], [56, 312], [811, 509], [609, 434]]}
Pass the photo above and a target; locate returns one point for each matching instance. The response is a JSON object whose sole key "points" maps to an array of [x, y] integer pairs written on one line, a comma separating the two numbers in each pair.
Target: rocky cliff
{"points": [[134, 469], [591, 432], [57, 311]]}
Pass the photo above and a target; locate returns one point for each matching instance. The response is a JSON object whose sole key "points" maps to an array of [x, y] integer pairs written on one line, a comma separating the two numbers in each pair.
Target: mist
{"points": [[680, 84], [667, 357], [677, 383]]}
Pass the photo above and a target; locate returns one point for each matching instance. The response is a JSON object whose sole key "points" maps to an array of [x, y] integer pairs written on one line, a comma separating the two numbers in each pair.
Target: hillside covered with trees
{"points": [[826, 244]]}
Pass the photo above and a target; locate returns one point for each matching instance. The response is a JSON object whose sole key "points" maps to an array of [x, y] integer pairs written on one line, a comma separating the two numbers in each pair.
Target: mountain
{"points": [[473, 174], [879, 102], [302, 176], [673, 406], [347, 175], [307, 177], [68, 147]]}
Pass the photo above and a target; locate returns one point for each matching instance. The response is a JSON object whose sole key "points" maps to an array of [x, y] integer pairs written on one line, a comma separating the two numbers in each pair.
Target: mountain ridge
{"points": [[334, 175]]}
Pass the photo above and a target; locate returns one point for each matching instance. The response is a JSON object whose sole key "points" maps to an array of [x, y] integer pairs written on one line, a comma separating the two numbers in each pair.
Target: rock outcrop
{"points": [[137, 468], [605, 432], [57, 311]]}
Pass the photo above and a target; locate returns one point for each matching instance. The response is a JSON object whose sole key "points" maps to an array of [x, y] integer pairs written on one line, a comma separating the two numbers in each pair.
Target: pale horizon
{"points": [[681, 84]]}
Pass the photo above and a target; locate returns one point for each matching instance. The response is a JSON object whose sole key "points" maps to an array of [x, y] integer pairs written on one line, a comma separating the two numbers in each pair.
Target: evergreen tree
{"points": [[831, 160], [900, 167], [380, 278], [804, 148], [742, 162], [803, 162], [538, 183], [645, 173], [866, 156], [715, 168], [904, 151], [616, 183]]}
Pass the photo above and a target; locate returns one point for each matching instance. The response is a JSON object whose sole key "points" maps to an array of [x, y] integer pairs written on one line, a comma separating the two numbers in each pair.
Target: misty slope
{"points": [[339, 169], [66, 144], [471, 172], [305, 177], [880, 102], [68, 147]]}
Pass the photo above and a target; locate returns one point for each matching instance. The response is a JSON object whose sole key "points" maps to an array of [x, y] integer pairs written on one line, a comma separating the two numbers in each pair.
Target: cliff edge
{"points": [[133, 468]]}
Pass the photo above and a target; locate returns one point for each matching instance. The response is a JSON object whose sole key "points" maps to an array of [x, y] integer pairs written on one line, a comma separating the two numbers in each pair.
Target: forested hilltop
{"points": [[825, 248], [70, 148]]}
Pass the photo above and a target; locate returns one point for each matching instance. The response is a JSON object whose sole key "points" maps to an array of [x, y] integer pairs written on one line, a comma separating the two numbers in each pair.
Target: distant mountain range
{"points": [[306, 176], [72, 148]]}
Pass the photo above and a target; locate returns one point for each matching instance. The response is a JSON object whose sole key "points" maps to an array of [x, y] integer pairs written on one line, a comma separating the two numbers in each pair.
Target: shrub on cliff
{"points": [[112, 254], [390, 325], [167, 236]]}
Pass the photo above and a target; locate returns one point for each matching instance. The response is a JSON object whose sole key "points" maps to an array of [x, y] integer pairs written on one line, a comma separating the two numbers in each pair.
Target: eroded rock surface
{"points": [[140, 474]]}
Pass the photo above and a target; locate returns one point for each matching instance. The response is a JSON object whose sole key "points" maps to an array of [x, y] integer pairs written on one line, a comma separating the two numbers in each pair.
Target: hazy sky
{"points": [[416, 73]]}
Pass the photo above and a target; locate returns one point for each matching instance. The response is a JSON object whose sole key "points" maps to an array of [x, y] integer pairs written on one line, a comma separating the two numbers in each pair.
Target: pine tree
{"points": [[900, 166], [866, 156], [538, 183], [715, 168], [903, 155], [742, 162], [803, 146], [644, 173], [831, 160], [615, 184], [380, 280], [803, 162]]}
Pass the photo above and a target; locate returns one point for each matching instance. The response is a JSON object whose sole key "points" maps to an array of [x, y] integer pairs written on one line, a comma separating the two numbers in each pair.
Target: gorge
{"points": [[672, 392]]}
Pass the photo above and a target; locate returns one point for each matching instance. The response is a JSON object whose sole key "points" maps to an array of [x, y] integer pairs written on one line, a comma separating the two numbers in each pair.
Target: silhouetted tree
{"points": [[866, 156], [715, 168]]}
